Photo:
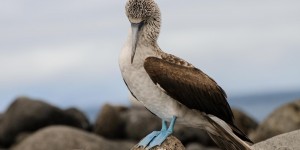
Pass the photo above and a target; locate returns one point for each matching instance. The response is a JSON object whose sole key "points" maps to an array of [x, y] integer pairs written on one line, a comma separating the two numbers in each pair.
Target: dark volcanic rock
{"points": [[243, 121], [1, 117], [140, 122], [284, 119], [26, 115], [80, 116], [68, 138], [109, 123], [188, 135], [171, 143]]}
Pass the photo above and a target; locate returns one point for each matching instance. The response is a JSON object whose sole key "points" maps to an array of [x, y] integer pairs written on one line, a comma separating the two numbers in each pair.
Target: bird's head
{"points": [[139, 13]]}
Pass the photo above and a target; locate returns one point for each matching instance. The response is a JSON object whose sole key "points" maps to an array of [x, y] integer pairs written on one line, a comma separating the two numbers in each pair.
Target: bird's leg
{"points": [[163, 125], [162, 136], [147, 140]]}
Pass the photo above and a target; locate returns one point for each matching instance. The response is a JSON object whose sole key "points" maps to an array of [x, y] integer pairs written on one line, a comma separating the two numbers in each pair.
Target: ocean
{"points": [[259, 106]]}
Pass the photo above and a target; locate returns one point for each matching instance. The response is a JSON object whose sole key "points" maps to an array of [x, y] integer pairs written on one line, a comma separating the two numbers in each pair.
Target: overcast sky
{"points": [[66, 51]]}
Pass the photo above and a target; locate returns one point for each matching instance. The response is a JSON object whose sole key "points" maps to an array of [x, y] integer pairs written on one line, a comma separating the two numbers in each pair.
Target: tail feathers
{"points": [[225, 136], [240, 134], [227, 144]]}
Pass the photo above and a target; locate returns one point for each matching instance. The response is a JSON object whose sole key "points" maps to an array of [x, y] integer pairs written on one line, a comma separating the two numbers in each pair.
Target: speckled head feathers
{"points": [[140, 10]]}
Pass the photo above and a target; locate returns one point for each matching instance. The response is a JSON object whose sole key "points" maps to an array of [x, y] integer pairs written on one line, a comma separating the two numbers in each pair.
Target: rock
{"points": [[21, 137], [192, 135], [68, 138], [26, 115], [284, 119], [85, 124], [287, 141], [196, 146], [243, 121], [171, 143], [117, 122], [109, 123], [1, 117], [140, 122]]}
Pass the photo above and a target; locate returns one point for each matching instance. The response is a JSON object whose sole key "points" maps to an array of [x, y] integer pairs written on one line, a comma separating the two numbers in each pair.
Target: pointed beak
{"points": [[136, 27]]}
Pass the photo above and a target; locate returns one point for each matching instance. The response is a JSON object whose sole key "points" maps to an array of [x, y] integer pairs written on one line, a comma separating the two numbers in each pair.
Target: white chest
{"points": [[141, 86]]}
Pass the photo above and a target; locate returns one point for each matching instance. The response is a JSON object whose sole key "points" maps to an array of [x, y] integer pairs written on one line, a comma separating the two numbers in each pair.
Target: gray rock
{"points": [[68, 138], [76, 113], [171, 143], [140, 122], [287, 141], [244, 121], [109, 123], [192, 135], [284, 119], [196, 146], [26, 115]]}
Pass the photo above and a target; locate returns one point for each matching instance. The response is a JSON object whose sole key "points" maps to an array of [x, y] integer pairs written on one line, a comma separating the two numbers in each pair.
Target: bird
{"points": [[171, 88]]}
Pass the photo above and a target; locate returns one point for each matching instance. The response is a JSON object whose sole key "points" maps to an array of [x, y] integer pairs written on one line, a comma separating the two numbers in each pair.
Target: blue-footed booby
{"points": [[170, 87]]}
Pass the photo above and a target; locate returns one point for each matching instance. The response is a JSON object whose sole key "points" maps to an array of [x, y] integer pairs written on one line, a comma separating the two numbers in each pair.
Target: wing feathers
{"points": [[190, 86]]}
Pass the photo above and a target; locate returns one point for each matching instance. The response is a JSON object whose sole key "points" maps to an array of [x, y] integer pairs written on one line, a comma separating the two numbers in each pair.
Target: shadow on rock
{"points": [[243, 121]]}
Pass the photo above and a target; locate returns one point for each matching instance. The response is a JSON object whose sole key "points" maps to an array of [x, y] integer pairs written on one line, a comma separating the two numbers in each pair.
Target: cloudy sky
{"points": [[66, 51]]}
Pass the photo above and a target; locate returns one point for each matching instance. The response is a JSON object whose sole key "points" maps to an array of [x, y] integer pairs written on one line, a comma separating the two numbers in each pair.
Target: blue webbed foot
{"points": [[158, 137], [146, 140]]}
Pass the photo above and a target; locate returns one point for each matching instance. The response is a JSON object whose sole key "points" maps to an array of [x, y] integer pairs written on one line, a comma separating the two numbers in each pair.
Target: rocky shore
{"points": [[31, 124]]}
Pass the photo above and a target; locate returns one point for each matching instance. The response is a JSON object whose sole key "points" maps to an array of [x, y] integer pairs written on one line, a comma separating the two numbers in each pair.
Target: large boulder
{"points": [[286, 141], [192, 135], [109, 123], [68, 138], [243, 121], [1, 117], [140, 122], [284, 119], [80, 116], [27, 115], [117, 122], [171, 143]]}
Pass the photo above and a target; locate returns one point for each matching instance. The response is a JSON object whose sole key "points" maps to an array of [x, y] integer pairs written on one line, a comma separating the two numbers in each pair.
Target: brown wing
{"points": [[190, 86]]}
